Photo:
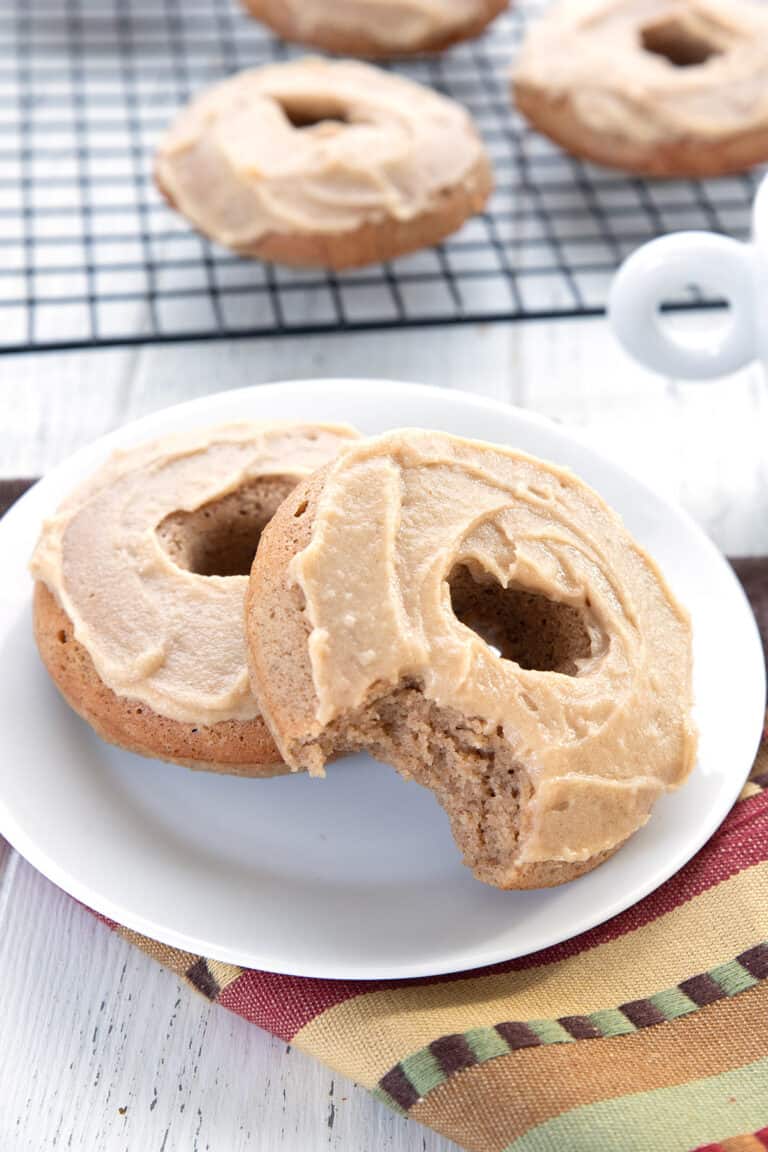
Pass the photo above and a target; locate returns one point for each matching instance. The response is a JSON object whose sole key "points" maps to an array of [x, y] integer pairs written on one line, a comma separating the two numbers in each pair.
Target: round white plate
{"points": [[355, 876]]}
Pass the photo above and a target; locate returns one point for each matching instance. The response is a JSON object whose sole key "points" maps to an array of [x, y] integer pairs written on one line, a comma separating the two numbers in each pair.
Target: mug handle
{"points": [[663, 266]]}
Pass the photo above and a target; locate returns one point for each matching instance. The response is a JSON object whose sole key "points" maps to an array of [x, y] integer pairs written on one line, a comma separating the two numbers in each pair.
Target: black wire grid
{"points": [[91, 255]]}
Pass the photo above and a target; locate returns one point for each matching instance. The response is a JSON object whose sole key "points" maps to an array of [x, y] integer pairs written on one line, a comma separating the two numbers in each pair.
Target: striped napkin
{"points": [[647, 1034]]}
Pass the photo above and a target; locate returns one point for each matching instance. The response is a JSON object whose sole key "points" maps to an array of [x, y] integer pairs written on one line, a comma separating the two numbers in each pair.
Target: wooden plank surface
{"points": [[102, 1050]]}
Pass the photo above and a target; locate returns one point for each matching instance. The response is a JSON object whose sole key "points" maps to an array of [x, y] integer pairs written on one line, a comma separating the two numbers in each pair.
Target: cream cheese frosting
{"points": [[156, 632], [372, 146], [397, 25], [607, 57], [395, 516]]}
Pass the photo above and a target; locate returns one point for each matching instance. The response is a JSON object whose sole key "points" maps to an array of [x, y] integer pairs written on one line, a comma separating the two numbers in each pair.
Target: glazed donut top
{"points": [[614, 59], [313, 146], [394, 24], [156, 632], [395, 516]]}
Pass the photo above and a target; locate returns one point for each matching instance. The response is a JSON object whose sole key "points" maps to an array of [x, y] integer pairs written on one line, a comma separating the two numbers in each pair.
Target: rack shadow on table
{"points": [[91, 255]]}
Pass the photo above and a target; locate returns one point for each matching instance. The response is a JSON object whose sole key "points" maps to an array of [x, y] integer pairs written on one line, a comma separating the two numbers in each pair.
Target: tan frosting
{"points": [[240, 170], [158, 633], [591, 52], [394, 24], [395, 515]]}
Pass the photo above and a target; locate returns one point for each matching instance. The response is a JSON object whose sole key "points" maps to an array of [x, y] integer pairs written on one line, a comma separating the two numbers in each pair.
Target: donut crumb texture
{"points": [[472, 772]]}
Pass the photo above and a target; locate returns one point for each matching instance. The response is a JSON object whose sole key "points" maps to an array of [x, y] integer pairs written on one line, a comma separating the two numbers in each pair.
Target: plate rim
{"points": [[136, 430]]}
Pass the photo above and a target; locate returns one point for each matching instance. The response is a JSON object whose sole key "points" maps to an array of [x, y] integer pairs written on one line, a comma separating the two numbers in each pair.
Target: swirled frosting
{"points": [[396, 25], [613, 61], [369, 146], [396, 515], [157, 632]]}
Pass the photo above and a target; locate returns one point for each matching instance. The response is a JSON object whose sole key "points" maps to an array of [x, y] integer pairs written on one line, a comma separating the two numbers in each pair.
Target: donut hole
{"points": [[309, 113], [535, 632], [673, 38], [220, 538]]}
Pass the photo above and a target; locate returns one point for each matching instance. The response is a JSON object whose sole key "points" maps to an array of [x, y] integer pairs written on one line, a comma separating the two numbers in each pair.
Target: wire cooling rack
{"points": [[90, 255]]}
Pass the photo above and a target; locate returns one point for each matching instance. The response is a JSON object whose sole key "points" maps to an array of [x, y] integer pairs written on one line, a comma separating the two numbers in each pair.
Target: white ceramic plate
{"points": [[356, 876]]}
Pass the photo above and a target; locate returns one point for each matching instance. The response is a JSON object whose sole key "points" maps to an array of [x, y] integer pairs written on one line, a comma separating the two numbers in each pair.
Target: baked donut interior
{"points": [[472, 772], [221, 537], [475, 775], [679, 39]]}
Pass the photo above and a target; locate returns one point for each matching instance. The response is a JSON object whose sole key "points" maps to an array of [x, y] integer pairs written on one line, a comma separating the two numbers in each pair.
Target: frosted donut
{"points": [[484, 622], [140, 581], [658, 87], [324, 163], [377, 27]]}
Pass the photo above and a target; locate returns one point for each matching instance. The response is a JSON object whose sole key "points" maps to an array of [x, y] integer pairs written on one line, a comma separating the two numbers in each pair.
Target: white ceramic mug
{"points": [[737, 272]]}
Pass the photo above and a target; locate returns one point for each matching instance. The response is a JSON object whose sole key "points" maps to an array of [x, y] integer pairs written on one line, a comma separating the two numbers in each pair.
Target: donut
{"points": [[656, 87], [377, 27], [140, 584], [325, 163], [482, 621]]}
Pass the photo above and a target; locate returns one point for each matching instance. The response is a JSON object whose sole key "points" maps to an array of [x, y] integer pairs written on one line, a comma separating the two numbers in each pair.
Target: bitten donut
{"points": [[484, 622], [140, 583], [657, 87], [377, 27], [324, 163]]}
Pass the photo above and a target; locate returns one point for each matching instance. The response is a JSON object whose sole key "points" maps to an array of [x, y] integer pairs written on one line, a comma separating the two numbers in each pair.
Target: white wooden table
{"points": [[100, 1049]]}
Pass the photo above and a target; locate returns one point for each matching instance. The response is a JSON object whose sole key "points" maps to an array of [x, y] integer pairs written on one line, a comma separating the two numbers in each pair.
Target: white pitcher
{"points": [[739, 273], [722, 428]]}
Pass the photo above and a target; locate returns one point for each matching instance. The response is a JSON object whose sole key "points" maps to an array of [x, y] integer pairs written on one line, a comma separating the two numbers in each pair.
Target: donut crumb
{"points": [[468, 764]]}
